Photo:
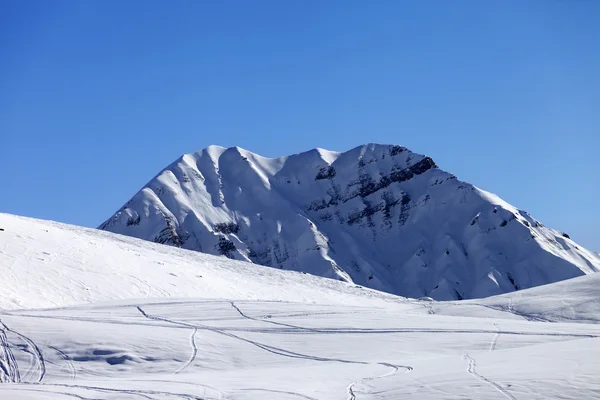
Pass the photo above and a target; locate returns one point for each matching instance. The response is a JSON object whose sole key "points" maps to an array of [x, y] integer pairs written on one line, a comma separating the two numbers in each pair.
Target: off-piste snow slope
{"points": [[86, 314], [380, 216]]}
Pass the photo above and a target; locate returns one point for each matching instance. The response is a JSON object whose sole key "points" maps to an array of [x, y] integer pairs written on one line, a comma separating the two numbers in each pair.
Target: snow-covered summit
{"points": [[377, 215]]}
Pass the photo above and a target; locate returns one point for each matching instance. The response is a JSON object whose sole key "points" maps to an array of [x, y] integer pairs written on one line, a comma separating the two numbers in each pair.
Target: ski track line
{"points": [[269, 321], [495, 338], [37, 353], [194, 351], [9, 365], [192, 337], [471, 370], [350, 389], [67, 360]]}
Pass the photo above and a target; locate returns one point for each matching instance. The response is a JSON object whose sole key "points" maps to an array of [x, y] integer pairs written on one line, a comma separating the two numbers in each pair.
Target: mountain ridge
{"points": [[376, 215]]}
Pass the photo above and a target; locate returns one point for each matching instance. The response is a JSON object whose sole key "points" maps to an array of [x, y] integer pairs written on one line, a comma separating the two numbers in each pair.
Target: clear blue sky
{"points": [[97, 96]]}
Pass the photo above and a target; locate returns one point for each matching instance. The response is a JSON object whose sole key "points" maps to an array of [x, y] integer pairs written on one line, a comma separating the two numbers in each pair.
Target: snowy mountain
{"points": [[168, 323], [379, 216]]}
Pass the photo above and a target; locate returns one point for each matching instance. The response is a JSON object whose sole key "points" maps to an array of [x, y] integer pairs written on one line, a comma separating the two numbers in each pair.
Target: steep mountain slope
{"points": [[379, 216]]}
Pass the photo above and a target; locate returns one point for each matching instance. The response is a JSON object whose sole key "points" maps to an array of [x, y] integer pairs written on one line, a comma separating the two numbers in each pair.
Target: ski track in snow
{"points": [[269, 321], [67, 360], [10, 369], [192, 337], [194, 351], [38, 365], [471, 370], [352, 392], [495, 338]]}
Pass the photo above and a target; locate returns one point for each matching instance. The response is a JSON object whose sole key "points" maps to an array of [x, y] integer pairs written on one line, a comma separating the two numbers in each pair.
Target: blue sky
{"points": [[97, 96]]}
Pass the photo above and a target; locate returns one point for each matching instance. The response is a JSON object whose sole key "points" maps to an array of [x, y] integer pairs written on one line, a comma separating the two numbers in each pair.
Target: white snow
{"points": [[49, 264], [167, 323], [379, 216]]}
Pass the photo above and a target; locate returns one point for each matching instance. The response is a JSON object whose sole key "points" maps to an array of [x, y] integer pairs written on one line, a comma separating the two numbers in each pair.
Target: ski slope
{"points": [[92, 315], [49, 264]]}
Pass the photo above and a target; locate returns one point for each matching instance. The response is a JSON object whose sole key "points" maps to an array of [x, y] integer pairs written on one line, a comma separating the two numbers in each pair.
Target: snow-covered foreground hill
{"points": [[167, 323], [49, 264], [379, 216]]}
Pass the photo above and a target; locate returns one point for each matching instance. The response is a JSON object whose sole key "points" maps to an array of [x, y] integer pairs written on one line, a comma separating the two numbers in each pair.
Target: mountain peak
{"points": [[377, 215]]}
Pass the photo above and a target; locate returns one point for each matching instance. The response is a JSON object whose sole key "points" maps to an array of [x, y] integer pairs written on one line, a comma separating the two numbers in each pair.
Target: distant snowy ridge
{"points": [[380, 216]]}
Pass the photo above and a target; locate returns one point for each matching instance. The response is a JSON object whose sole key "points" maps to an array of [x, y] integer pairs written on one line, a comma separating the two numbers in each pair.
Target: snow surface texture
{"points": [[49, 264], [267, 334], [379, 216]]}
